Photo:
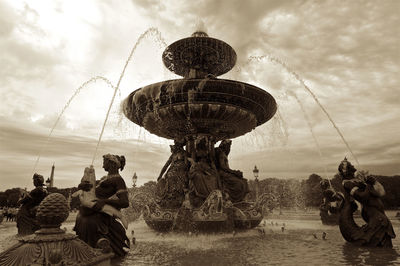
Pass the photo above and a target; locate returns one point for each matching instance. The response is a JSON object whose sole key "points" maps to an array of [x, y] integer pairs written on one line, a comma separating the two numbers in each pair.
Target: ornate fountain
{"points": [[199, 190]]}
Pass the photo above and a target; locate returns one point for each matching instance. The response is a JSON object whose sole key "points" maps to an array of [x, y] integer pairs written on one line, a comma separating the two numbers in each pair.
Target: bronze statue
{"points": [[170, 188], [88, 198], [233, 182], [95, 227], [331, 200], [378, 230], [26, 216], [203, 175]]}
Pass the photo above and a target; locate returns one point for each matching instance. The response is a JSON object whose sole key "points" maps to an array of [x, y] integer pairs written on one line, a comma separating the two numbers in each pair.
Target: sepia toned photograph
{"points": [[210, 132]]}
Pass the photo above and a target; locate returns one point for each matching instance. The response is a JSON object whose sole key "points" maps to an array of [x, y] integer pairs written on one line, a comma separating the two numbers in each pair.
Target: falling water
{"points": [[277, 131], [94, 79], [284, 65], [310, 127], [279, 128], [150, 32], [283, 129]]}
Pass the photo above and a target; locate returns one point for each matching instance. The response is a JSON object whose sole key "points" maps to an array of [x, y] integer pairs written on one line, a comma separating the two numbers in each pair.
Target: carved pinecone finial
{"points": [[52, 211], [199, 34]]}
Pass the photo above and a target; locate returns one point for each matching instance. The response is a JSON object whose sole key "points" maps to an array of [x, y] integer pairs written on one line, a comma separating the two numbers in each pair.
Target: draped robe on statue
{"points": [[91, 225], [233, 182], [203, 176]]}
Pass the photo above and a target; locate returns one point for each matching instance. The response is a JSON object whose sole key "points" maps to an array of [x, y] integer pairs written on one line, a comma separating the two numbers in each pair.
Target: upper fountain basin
{"points": [[199, 55], [177, 108]]}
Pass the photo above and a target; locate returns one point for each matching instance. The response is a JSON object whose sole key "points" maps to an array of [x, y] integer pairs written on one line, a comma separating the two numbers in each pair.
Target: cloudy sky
{"points": [[346, 52]]}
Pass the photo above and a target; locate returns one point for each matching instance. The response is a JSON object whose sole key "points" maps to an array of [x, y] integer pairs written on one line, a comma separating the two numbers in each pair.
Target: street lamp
{"points": [[255, 172], [134, 179]]}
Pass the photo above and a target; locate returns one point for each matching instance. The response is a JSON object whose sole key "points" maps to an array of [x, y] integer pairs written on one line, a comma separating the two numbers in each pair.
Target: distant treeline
{"points": [[10, 197], [308, 193], [289, 193]]}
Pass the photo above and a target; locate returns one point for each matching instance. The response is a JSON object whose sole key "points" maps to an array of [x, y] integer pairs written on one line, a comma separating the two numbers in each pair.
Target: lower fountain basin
{"points": [[196, 220], [222, 108]]}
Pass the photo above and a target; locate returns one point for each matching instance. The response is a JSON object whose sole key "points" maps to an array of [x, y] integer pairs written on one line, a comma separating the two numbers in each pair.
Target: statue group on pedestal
{"points": [[101, 204], [378, 230], [197, 171]]}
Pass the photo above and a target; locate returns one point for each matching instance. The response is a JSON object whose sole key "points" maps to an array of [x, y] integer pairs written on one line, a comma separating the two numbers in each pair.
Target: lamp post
{"points": [[134, 179], [255, 172]]}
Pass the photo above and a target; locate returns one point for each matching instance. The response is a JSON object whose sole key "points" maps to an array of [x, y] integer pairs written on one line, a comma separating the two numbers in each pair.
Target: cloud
{"points": [[71, 154], [348, 56]]}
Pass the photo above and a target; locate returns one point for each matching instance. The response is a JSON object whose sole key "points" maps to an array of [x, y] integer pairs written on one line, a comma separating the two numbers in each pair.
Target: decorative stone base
{"points": [[206, 218]]}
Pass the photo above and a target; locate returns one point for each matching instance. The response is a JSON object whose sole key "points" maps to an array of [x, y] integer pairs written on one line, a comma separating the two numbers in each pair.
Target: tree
{"points": [[139, 198], [312, 190], [3, 199]]}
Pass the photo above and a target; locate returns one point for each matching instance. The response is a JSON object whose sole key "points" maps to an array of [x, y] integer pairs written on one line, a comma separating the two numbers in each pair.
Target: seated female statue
{"points": [[94, 226], [203, 175], [233, 182]]}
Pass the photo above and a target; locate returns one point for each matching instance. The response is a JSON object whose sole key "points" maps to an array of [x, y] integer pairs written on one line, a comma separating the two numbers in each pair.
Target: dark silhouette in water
{"points": [[328, 208], [356, 255], [378, 230]]}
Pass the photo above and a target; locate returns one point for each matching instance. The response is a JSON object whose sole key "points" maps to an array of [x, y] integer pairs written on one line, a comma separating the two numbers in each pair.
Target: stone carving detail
{"points": [[52, 211], [212, 208], [201, 53]]}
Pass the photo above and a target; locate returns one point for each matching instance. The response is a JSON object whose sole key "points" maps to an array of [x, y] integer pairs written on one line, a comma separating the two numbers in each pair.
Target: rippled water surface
{"points": [[301, 243]]}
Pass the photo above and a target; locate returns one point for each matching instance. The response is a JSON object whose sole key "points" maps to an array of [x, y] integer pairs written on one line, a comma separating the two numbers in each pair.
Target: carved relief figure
{"points": [[331, 201]]}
